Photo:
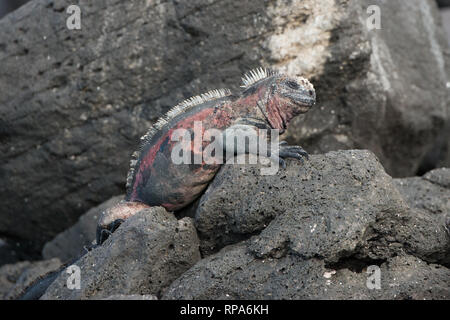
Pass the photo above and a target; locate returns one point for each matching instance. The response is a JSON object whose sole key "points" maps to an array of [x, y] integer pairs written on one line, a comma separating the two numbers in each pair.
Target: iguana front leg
{"points": [[243, 139], [287, 151]]}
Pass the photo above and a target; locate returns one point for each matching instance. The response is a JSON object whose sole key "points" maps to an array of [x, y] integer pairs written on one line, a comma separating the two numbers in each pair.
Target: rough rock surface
{"points": [[314, 205], [147, 253], [235, 273], [72, 242], [346, 191], [9, 274], [429, 198], [15, 278], [73, 103], [313, 231]]}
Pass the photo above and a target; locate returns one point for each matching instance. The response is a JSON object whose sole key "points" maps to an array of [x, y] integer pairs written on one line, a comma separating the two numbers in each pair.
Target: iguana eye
{"points": [[292, 84]]}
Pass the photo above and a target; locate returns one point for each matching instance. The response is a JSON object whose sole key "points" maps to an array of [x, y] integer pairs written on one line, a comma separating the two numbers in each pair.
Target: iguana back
{"points": [[153, 178]]}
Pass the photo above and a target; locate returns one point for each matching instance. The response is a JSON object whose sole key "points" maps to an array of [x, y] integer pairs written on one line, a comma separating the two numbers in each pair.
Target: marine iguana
{"points": [[269, 100]]}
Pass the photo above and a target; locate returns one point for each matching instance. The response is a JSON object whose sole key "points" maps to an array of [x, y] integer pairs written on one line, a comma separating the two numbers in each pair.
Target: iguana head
{"points": [[280, 97], [297, 93]]}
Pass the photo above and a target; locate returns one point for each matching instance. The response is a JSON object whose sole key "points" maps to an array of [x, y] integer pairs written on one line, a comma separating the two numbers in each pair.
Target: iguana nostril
{"points": [[311, 93]]}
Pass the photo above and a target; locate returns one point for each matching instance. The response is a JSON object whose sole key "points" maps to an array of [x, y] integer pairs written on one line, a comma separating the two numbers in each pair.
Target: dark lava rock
{"points": [[145, 254], [73, 242], [322, 207], [429, 197], [236, 273], [15, 278], [314, 230]]}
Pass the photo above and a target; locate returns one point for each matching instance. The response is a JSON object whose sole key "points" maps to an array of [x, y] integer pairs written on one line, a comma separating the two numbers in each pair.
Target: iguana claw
{"points": [[282, 162], [293, 152]]}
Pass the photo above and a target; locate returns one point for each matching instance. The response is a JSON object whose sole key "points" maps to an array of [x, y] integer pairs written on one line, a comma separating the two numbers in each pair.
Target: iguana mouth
{"points": [[305, 104], [302, 100]]}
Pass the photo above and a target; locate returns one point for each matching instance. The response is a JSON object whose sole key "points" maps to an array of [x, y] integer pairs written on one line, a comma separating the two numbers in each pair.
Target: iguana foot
{"points": [[103, 232], [287, 151], [113, 217]]}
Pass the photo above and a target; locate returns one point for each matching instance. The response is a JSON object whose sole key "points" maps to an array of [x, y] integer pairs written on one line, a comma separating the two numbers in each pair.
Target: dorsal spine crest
{"points": [[255, 75]]}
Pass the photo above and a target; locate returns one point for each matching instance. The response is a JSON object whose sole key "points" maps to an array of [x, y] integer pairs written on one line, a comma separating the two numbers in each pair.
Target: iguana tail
{"points": [[38, 287]]}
